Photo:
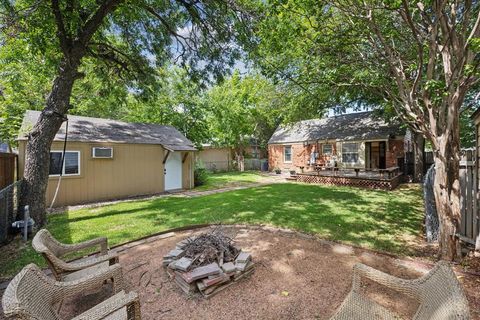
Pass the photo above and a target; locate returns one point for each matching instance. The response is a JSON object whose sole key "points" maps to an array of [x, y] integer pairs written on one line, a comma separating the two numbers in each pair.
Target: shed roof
{"points": [[352, 126], [87, 129]]}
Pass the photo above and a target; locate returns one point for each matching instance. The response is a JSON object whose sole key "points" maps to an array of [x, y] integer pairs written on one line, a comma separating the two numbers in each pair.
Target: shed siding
{"points": [[136, 169]]}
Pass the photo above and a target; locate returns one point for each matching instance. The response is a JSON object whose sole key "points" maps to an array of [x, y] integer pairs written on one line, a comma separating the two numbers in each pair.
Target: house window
{"points": [[327, 149], [287, 154], [71, 163], [350, 152]]}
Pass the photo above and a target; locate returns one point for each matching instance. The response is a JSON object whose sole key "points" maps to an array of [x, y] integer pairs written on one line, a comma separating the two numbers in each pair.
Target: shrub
{"points": [[200, 176]]}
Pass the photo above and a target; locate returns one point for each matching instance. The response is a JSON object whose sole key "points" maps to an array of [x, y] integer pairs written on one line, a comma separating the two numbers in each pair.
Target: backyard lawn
{"points": [[381, 220], [232, 179]]}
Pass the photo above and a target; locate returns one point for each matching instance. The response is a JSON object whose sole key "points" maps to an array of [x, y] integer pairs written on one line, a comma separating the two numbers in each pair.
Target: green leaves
{"points": [[242, 108], [171, 98], [24, 84], [122, 61], [474, 44]]}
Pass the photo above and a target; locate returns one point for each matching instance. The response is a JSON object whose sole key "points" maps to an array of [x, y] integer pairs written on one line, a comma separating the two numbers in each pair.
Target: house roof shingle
{"points": [[87, 129], [353, 126]]}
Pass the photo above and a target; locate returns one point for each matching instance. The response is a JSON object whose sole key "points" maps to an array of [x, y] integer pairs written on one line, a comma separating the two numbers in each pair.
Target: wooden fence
{"points": [[8, 169], [470, 224], [408, 166], [9, 206], [227, 166]]}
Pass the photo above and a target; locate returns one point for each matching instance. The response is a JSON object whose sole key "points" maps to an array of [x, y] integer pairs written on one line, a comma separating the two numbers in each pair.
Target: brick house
{"points": [[355, 140]]}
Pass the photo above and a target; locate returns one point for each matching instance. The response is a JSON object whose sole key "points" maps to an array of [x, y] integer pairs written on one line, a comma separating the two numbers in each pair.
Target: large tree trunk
{"points": [[37, 158], [418, 153], [240, 159], [447, 198]]}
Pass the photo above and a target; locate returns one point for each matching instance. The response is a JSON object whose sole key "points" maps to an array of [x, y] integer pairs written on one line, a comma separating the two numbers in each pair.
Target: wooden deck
{"points": [[355, 178]]}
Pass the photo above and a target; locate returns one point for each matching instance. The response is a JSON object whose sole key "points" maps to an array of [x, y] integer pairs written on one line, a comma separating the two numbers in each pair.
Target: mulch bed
{"points": [[296, 277]]}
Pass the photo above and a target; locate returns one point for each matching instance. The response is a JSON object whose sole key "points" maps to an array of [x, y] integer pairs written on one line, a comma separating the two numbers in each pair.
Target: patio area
{"points": [[294, 279]]}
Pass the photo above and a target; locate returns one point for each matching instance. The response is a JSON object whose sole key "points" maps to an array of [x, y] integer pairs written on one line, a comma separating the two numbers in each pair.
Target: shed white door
{"points": [[173, 171]]}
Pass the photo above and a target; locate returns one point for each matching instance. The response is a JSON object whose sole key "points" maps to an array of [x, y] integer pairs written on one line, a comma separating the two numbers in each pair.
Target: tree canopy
{"points": [[174, 99], [123, 52], [240, 109], [419, 59]]}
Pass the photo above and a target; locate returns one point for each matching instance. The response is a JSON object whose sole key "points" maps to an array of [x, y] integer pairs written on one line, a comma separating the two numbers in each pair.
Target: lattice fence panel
{"points": [[351, 182]]}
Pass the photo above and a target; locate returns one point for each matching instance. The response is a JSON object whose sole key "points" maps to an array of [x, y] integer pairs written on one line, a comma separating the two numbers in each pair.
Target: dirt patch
{"points": [[297, 277], [471, 264]]}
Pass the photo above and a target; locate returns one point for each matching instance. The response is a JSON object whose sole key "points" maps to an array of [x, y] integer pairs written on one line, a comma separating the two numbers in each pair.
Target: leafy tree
{"points": [[467, 130], [24, 84], [26, 80], [419, 58], [467, 127], [242, 108], [174, 99], [134, 37]]}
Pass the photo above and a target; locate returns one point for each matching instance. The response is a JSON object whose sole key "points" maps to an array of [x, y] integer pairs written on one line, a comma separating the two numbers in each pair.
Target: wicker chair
{"points": [[52, 251], [33, 295], [438, 293]]}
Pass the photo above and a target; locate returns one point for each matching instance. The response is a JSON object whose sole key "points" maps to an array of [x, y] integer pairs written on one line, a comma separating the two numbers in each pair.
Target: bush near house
{"points": [[200, 176]]}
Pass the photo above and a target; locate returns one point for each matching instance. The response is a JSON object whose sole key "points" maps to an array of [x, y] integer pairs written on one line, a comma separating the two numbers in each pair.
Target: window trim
{"points": [[63, 168], [357, 153], [291, 154], [97, 157], [331, 149]]}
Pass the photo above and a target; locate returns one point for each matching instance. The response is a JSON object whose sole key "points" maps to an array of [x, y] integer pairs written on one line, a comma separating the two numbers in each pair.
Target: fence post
{"points": [[26, 218], [4, 216]]}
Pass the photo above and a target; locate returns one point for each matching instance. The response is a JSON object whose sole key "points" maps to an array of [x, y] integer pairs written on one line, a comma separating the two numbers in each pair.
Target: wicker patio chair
{"points": [[52, 251], [33, 295], [439, 294]]}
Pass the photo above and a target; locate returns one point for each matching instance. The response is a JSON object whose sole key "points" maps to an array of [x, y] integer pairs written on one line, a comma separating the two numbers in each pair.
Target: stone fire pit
{"points": [[207, 263]]}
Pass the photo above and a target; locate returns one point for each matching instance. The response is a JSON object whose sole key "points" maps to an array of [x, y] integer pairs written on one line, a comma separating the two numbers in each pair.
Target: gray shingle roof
{"points": [[353, 126], [104, 130]]}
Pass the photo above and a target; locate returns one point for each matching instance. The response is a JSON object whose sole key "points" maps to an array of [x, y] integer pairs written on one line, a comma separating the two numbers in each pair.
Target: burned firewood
{"points": [[208, 263]]}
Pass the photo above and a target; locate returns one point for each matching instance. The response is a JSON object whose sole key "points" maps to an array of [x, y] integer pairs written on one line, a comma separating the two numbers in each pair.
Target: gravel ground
{"points": [[297, 277]]}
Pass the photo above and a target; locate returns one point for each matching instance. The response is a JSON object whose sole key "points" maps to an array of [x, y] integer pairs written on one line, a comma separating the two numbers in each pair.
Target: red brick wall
{"points": [[275, 156], [300, 156], [275, 153], [322, 159], [395, 150]]}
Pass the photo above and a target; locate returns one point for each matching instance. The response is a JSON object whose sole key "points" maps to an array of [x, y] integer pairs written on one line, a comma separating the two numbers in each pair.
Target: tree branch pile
{"points": [[211, 247], [207, 263]]}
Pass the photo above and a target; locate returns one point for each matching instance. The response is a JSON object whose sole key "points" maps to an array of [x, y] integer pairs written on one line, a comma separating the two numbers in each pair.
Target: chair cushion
{"points": [[358, 307], [111, 309], [118, 315], [85, 272]]}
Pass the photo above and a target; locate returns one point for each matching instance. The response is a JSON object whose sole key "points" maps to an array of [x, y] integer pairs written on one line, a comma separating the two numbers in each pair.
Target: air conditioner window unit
{"points": [[102, 152]]}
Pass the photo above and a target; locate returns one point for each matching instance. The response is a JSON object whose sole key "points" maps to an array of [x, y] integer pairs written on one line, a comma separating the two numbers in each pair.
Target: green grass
{"points": [[231, 179], [373, 219]]}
